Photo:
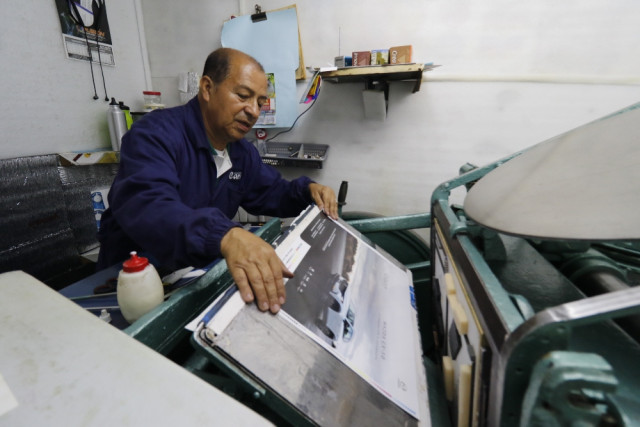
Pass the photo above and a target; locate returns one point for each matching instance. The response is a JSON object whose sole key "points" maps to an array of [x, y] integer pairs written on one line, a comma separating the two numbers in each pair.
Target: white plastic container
{"points": [[139, 288]]}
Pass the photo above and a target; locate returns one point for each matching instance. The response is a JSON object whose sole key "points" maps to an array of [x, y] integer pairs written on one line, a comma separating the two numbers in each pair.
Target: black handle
{"points": [[342, 194]]}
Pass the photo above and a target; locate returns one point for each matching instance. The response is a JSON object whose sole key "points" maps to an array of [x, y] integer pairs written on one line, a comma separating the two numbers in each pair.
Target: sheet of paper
{"points": [[355, 302]]}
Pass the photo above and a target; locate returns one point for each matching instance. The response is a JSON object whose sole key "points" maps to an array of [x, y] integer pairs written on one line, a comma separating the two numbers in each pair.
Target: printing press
{"points": [[527, 300], [538, 327]]}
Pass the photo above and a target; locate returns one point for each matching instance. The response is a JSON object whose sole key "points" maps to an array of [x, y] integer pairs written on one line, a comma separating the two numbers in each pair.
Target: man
{"points": [[184, 172]]}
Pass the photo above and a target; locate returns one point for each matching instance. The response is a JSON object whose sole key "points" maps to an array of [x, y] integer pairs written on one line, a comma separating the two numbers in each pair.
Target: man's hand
{"points": [[256, 269], [325, 199]]}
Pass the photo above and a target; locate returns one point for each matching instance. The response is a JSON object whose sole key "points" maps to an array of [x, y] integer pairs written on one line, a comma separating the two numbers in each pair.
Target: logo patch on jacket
{"points": [[235, 176]]}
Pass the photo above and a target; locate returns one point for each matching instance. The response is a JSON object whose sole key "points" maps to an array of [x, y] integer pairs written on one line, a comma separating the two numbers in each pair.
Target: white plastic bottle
{"points": [[139, 288]]}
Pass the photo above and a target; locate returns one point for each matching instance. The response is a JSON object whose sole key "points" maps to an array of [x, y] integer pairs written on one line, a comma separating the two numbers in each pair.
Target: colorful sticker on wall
{"points": [[268, 110]]}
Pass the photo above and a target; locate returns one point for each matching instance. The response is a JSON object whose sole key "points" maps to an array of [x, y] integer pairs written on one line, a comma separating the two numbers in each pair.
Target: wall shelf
{"points": [[379, 73]]}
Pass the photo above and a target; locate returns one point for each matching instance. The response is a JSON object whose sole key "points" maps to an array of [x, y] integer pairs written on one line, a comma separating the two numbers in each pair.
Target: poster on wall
{"points": [[85, 30]]}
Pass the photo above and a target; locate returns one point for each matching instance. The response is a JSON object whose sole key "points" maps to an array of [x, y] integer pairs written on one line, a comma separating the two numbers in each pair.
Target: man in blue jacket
{"points": [[184, 172]]}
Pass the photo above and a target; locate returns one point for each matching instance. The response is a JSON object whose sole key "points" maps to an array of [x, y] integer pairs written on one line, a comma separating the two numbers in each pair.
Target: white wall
{"points": [[46, 100], [180, 35], [513, 74]]}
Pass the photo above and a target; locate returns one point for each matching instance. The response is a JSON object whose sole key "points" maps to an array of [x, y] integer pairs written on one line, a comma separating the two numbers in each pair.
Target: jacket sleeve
{"points": [[146, 204], [270, 194]]}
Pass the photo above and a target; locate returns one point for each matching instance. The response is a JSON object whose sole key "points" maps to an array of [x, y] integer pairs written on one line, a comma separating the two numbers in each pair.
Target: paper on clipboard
{"points": [[274, 43]]}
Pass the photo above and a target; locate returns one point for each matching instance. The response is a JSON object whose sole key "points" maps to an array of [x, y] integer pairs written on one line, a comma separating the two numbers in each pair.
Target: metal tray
{"points": [[295, 154]]}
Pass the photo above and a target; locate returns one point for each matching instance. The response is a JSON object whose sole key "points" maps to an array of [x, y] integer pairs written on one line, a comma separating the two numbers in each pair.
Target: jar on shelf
{"points": [[152, 100]]}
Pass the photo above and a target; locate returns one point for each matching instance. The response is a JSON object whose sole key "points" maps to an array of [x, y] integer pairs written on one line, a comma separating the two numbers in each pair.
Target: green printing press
{"points": [[528, 308]]}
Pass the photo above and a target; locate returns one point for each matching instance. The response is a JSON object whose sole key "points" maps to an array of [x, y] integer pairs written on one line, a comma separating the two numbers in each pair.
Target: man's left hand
{"points": [[325, 199]]}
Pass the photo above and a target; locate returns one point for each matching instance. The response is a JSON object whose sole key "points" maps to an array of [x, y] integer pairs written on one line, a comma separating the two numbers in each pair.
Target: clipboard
{"points": [[306, 373], [273, 39], [259, 15]]}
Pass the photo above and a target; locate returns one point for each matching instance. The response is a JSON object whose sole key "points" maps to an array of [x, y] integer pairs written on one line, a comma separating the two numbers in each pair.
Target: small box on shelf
{"points": [[379, 56], [360, 59], [400, 54]]}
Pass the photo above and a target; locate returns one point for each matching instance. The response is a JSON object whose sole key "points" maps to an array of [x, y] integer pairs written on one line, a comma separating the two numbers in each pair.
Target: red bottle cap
{"points": [[135, 263]]}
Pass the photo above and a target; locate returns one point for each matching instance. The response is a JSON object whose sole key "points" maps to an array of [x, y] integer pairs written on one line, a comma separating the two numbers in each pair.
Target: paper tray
{"points": [[295, 154]]}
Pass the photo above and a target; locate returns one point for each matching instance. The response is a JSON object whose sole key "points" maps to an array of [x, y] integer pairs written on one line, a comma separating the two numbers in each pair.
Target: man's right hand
{"points": [[256, 269]]}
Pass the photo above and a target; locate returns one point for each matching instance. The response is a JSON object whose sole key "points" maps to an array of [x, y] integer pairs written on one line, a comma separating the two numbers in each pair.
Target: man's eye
{"points": [[243, 96]]}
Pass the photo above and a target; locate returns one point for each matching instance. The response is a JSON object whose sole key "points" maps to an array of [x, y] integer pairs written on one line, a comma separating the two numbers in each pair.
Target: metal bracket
{"points": [[566, 386]]}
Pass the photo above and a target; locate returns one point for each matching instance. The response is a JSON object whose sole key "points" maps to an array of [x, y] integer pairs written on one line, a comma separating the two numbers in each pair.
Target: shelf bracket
{"points": [[379, 84]]}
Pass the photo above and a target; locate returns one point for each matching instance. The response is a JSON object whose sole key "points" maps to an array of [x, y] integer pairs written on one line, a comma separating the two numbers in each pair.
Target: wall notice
{"points": [[85, 30]]}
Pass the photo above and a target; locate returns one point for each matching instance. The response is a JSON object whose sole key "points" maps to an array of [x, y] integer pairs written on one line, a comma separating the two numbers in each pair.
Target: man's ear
{"points": [[206, 85]]}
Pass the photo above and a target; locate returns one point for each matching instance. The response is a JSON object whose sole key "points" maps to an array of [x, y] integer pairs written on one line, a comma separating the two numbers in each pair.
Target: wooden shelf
{"points": [[379, 73]]}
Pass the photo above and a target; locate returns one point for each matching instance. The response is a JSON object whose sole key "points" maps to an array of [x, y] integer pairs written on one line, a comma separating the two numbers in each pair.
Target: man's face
{"points": [[231, 108]]}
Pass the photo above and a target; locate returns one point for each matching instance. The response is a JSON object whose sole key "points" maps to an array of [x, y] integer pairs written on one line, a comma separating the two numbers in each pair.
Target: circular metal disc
{"points": [[581, 185]]}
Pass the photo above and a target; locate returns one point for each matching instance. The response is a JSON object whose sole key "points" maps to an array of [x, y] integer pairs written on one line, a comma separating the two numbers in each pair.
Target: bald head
{"points": [[233, 89], [218, 64]]}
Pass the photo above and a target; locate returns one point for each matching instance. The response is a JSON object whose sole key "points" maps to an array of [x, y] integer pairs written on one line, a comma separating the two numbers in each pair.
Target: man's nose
{"points": [[253, 110]]}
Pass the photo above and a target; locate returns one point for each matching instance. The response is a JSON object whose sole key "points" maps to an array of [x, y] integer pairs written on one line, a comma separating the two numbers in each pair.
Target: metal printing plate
{"points": [[307, 376], [581, 185]]}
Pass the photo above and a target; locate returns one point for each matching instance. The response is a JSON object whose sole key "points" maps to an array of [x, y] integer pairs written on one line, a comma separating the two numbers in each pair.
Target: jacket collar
{"points": [[195, 125]]}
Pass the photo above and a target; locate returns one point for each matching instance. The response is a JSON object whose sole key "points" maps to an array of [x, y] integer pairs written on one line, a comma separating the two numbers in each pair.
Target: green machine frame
{"points": [[551, 353]]}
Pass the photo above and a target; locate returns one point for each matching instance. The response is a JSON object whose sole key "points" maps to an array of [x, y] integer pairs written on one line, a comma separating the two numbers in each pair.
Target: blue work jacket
{"points": [[167, 202]]}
